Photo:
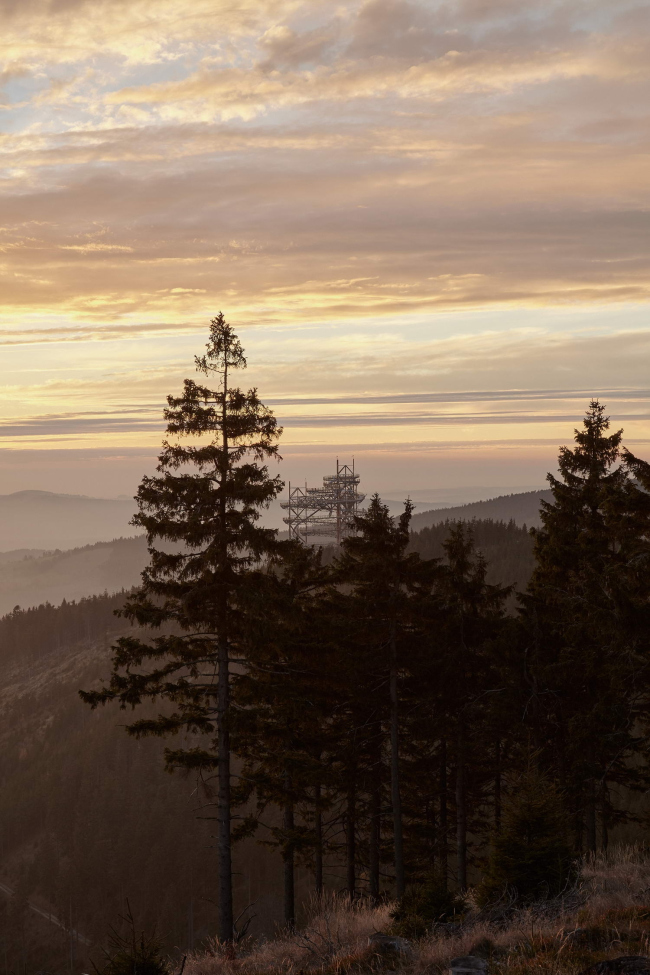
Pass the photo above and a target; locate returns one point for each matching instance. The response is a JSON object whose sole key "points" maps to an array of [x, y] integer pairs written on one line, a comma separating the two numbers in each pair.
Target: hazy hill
{"points": [[54, 576], [523, 509], [32, 522], [43, 520], [34, 578], [18, 554], [88, 817]]}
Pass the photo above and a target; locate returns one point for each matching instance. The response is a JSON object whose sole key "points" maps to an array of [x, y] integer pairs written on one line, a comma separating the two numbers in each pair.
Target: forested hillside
{"points": [[88, 818], [74, 574], [29, 578], [523, 509], [507, 547]]}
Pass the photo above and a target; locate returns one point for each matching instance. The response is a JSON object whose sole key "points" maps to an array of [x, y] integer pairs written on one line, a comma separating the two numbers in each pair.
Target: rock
{"points": [[468, 965], [386, 944], [624, 965]]}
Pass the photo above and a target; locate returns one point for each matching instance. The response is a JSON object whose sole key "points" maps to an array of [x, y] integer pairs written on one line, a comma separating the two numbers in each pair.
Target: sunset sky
{"points": [[428, 220]]}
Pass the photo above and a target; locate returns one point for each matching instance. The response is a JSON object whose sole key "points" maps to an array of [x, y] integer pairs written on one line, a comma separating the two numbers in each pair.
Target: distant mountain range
{"points": [[30, 580], [30, 576], [33, 522], [523, 509], [44, 520]]}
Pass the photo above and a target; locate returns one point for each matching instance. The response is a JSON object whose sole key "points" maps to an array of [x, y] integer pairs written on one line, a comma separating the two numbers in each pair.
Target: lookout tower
{"points": [[325, 511]]}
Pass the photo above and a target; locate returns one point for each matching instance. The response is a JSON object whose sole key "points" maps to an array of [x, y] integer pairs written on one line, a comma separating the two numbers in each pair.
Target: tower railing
{"points": [[326, 511]]}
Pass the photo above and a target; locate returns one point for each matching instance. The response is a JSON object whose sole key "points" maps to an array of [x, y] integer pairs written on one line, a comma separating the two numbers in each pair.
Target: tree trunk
{"points": [[225, 923], [289, 858], [318, 842], [350, 836], [396, 799], [444, 821], [375, 823], [590, 804], [497, 786], [590, 817], [224, 854], [461, 810]]}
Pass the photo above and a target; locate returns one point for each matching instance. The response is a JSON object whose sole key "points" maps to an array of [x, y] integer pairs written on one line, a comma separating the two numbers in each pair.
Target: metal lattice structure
{"points": [[324, 511]]}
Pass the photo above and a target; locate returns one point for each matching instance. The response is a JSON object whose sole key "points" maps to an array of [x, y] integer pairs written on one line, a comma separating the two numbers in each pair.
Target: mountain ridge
{"points": [[30, 577], [521, 508]]}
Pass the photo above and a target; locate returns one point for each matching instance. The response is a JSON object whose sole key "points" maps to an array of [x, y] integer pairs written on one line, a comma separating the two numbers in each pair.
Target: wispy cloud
{"points": [[302, 164]]}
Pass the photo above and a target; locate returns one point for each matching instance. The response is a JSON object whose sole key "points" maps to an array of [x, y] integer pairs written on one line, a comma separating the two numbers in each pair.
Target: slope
{"points": [[508, 549], [88, 817], [54, 576], [523, 509]]}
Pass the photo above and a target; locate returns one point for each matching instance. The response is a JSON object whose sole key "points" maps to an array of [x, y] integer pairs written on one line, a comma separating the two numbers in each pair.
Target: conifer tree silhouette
{"points": [[200, 516], [586, 614]]}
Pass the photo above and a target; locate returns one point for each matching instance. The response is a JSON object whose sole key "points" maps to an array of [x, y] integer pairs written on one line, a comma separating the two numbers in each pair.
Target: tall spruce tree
{"points": [[473, 616], [285, 697], [385, 582], [200, 515], [586, 619]]}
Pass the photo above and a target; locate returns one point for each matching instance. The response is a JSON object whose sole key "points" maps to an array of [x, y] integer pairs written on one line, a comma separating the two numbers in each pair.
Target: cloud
{"points": [[303, 164], [285, 47], [136, 31], [245, 93]]}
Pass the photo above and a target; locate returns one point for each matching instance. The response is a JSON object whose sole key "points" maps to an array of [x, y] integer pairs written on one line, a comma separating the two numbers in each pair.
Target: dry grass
{"points": [[608, 906], [335, 938], [617, 880]]}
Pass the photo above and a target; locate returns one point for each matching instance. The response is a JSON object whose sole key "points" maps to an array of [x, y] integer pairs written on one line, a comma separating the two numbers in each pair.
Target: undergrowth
{"points": [[606, 914]]}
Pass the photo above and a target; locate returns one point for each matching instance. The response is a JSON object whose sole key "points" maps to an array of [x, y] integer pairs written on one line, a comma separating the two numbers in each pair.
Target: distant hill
{"points": [[523, 509], [33, 522], [44, 520], [89, 820], [54, 576], [17, 554], [31, 577]]}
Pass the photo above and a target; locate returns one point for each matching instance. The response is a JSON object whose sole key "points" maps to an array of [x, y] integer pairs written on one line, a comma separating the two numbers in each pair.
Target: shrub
{"points": [[133, 954], [423, 905], [530, 856]]}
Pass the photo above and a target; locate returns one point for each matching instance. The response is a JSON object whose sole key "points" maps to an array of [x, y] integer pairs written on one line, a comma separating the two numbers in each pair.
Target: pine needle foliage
{"points": [[133, 953], [586, 618], [424, 905], [530, 857], [386, 584], [200, 514]]}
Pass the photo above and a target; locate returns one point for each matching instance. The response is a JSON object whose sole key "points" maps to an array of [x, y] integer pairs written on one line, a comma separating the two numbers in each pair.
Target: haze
{"points": [[428, 221]]}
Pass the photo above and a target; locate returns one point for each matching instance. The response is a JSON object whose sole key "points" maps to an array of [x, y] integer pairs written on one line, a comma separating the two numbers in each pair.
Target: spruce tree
{"points": [[285, 698], [586, 623], [200, 514], [472, 619], [386, 582], [530, 856]]}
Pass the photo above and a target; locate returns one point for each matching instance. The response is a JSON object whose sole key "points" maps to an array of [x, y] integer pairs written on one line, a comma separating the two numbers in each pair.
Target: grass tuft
{"points": [[605, 915]]}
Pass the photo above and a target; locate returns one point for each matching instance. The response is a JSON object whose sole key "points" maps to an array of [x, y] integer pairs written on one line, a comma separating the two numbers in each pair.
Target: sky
{"points": [[427, 220]]}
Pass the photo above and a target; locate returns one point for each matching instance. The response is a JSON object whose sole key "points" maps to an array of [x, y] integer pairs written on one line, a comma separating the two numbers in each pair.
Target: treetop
{"points": [[223, 349]]}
